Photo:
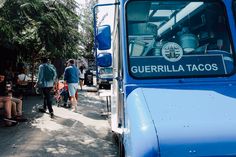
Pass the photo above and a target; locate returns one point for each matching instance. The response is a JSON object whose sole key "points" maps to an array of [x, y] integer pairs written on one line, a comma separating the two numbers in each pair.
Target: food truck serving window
{"points": [[178, 39]]}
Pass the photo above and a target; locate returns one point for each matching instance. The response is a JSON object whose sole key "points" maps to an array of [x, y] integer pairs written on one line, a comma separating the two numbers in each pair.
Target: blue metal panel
{"points": [[194, 121], [140, 133], [189, 121]]}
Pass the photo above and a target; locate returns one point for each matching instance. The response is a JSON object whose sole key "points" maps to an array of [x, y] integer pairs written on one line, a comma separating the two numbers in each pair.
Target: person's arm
{"points": [[40, 75], [27, 78], [78, 73], [65, 76], [55, 73]]}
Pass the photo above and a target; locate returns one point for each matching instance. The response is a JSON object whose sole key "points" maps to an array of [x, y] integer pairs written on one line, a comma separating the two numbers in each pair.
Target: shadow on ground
{"points": [[85, 134]]}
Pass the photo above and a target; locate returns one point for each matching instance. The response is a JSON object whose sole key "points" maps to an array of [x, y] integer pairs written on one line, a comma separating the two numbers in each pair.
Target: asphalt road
{"points": [[69, 134]]}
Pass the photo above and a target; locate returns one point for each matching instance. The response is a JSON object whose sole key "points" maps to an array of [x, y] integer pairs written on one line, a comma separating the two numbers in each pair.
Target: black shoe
{"points": [[10, 122], [52, 115], [65, 105], [20, 119], [42, 110]]}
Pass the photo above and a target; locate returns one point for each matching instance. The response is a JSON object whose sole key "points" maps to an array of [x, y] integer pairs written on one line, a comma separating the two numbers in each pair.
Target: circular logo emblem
{"points": [[172, 52]]}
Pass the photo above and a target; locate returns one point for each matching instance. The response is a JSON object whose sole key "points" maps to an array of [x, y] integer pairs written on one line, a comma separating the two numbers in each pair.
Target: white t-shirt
{"points": [[23, 77], [81, 74]]}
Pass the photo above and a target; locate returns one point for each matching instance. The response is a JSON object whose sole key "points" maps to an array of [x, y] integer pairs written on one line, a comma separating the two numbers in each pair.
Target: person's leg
{"points": [[13, 109], [17, 110], [18, 105], [6, 103], [76, 94], [72, 91], [76, 86], [48, 97], [44, 91], [81, 83], [82, 80], [64, 97]]}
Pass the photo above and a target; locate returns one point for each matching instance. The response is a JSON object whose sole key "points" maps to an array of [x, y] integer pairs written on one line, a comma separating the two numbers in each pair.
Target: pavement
{"points": [[69, 134]]}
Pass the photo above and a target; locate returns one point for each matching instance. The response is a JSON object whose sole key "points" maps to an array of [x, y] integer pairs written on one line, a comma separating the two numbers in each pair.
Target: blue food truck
{"points": [[174, 85]]}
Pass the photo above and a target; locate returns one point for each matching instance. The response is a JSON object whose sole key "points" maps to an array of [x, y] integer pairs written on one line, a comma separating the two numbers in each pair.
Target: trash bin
{"points": [[88, 78]]}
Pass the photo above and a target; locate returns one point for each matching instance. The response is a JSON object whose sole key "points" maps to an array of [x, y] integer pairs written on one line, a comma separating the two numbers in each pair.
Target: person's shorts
{"points": [[72, 88]]}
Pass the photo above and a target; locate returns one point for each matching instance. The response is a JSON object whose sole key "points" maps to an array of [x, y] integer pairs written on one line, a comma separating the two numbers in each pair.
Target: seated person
{"points": [[5, 102], [22, 78], [21, 84], [65, 94], [62, 93]]}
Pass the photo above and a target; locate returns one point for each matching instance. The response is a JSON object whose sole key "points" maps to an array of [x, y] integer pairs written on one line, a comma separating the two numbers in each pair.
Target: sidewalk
{"points": [[69, 134]]}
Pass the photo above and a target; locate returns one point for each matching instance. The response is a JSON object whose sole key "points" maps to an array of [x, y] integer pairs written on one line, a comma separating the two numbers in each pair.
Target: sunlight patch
{"points": [[45, 123]]}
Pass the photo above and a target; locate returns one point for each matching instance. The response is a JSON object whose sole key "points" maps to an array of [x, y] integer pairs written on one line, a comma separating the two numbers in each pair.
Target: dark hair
{"points": [[81, 68], [2, 72], [71, 61], [44, 60]]}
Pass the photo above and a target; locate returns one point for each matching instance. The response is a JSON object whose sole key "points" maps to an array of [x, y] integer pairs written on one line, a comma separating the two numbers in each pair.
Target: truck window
{"points": [[178, 39]]}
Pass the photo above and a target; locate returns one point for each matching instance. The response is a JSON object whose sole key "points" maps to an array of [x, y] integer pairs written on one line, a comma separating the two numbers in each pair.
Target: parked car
{"points": [[105, 77]]}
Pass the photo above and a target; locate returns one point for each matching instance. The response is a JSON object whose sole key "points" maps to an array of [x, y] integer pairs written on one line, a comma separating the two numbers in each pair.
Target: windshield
{"points": [[105, 70], [178, 39]]}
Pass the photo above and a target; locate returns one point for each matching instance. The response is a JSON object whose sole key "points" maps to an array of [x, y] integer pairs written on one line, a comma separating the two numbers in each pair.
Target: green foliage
{"points": [[86, 31], [40, 28]]}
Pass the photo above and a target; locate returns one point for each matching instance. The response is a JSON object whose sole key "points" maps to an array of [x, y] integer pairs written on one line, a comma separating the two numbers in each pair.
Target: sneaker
{"points": [[42, 110], [52, 115]]}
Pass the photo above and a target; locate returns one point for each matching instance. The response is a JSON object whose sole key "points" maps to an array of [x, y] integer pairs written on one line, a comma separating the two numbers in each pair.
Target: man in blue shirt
{"points": [[71, 77], [46, 85]]}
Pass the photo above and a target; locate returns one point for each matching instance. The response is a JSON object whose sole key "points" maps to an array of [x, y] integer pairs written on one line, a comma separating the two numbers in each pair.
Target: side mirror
{"points": [[104, 59], [103, 37]]}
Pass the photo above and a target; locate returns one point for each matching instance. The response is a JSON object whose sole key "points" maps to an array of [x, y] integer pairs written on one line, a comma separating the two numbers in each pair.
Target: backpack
{"points": [[48, 72]]}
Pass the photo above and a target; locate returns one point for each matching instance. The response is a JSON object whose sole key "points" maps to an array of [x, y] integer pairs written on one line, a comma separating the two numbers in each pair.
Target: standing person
{"points": [[46, 79], [71, 77], [81, 76]]}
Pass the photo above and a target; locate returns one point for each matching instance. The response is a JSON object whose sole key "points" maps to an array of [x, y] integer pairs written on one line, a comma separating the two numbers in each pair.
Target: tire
{"points": [[121, 148], [119, 142], [99, 86]]}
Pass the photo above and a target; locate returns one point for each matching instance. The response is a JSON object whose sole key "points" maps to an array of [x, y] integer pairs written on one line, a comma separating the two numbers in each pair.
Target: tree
{"points": [[38, 28], [86, 31]]}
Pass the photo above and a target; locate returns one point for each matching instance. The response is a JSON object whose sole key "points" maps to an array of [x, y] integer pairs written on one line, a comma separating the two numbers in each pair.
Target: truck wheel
{"points": [[121, 148], [100, 86], [119, 142]]}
